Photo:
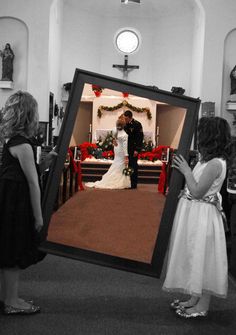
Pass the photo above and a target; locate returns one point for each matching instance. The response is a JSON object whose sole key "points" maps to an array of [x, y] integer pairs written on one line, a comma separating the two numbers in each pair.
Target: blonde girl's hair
{"points": [[19, 116]]}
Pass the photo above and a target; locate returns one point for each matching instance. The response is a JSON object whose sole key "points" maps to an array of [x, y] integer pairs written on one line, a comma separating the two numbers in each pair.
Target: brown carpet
{"points": [[120, 223]]}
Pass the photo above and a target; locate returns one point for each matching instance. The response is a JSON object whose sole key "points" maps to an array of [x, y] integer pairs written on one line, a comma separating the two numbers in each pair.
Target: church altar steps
{"points": [[95, 171]]}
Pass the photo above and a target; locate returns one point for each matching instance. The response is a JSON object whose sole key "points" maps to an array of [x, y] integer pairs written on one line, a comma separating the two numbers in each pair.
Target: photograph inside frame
{"points": [[110, 220]]}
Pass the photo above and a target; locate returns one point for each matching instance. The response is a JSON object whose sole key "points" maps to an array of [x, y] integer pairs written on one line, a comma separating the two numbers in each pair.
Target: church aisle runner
{"points": [[121, 223]]}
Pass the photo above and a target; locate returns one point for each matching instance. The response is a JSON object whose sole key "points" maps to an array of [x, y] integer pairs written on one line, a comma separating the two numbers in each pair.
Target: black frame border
{"points": [[151, 92]]}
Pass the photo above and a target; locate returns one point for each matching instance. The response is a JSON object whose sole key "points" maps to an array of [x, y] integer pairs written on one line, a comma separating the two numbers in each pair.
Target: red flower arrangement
{"points": [[108, 154], [155, 154], [149, 156], [86, 149]]}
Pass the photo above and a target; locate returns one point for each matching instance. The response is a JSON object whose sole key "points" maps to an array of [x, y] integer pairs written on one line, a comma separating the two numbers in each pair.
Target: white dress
{"points": [[114, 177], [197, 259]]}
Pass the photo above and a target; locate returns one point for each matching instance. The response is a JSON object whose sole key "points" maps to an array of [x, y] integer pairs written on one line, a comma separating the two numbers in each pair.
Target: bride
{"points": [[114, 177]]}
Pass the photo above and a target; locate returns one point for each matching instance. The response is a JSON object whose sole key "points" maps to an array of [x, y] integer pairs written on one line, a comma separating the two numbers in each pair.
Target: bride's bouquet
{"points": [[128, 171]]}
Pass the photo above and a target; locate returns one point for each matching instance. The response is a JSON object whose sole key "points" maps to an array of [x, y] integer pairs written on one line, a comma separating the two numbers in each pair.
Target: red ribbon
{"points": [[76, 169], [162, 179]]}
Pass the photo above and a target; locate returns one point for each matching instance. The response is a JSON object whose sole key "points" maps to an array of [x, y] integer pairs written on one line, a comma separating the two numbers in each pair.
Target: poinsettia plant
{"points": [[108, 154], [154, 154], [104, 149], [87, 149]]}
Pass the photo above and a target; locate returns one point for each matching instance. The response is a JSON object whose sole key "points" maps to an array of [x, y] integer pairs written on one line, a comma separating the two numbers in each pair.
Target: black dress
{"points": [[18, 238]]}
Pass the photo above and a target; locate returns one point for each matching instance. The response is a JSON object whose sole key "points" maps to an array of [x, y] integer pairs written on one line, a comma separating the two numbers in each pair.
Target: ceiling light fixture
{"points": [[130, 1]]}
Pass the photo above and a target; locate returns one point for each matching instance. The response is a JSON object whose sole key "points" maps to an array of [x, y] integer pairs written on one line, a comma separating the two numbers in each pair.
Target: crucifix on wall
{"points": [[125, 68]]}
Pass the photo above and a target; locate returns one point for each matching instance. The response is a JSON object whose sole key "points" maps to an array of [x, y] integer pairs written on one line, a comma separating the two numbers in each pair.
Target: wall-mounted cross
{"points": [[125, 68]]}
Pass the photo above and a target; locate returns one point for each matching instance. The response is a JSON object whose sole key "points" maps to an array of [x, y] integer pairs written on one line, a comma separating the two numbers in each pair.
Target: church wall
{"points": [[55, 30], [171, 51], [143, 57], [35, 15], [164, 57], [229, 63], [81, 41], [198, 51], [220, 20], [82, 124], [169, 55], [170, 120], [55, 48], [181, 49]]}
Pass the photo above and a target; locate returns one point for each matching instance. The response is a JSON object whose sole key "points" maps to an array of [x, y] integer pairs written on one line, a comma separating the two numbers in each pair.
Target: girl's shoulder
{"points": [[214, 161], [217, 161], [216, 165], [17, 140]]}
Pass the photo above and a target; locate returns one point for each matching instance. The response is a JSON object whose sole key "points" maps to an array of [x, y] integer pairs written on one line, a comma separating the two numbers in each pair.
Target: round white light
{"points": [[127, 41]]}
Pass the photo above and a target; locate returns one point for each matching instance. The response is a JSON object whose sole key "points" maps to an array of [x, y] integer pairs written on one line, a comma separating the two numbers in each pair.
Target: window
{"points": [[127, 41]]}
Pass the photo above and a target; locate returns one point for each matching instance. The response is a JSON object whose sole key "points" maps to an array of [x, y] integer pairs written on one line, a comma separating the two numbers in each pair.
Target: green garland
{"points": [[126, 104]]}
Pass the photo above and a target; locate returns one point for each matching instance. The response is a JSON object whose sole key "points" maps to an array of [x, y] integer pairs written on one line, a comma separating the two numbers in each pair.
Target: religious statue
{"points": [[233, 80], [7, 62]]}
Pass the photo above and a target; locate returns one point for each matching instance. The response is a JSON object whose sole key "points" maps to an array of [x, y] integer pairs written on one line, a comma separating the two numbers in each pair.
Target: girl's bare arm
{"points": [[24, 154]]}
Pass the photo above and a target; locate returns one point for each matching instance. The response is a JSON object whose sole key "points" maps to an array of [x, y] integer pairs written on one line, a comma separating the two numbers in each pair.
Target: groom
{"points": [[134, 130]]}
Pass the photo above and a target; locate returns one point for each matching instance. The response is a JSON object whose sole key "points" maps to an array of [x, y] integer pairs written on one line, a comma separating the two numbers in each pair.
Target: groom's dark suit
{"points": [[134, 130]]}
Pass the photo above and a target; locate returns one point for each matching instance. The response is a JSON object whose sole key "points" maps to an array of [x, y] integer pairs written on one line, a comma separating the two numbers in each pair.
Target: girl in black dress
{"points": [[20, 199]]}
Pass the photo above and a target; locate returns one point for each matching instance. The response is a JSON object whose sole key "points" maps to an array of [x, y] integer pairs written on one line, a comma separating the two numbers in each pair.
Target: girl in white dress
{"points": [[197, 259], [114, 177]]}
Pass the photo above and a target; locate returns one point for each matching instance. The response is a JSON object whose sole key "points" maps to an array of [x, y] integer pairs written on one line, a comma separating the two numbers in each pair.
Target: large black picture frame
{"points": [[82, 77]]}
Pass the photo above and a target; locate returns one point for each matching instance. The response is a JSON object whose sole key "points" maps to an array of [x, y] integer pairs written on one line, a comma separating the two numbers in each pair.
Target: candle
{"points": [[38, 155], [90, 128], [157, 131]]}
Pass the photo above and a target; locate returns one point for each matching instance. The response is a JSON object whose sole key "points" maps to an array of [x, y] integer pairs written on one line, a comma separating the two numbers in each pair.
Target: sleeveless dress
{"points": [[18, 237], [197, 259], [114, 177]]}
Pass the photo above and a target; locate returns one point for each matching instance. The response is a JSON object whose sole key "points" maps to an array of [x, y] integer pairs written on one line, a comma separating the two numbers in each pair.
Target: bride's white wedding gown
{"points": [[114, 177]]}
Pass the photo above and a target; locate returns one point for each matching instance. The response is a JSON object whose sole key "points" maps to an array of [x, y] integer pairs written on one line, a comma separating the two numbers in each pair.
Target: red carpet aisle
{"points": [[122, 223]]}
